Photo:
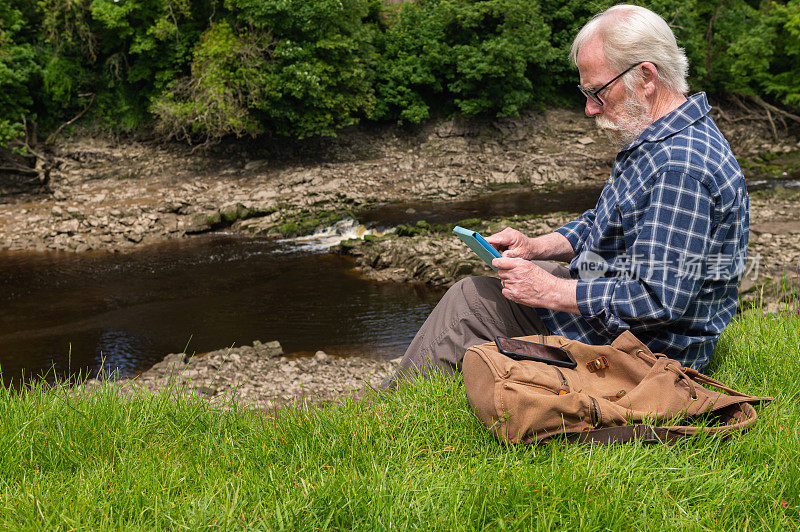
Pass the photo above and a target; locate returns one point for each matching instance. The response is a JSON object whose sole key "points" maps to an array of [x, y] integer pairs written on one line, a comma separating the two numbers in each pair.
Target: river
{"points": [[67, 313]]}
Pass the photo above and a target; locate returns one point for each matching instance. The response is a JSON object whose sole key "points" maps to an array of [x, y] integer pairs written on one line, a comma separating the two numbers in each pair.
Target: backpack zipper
{"points": [[564, 383], [594, 413]]}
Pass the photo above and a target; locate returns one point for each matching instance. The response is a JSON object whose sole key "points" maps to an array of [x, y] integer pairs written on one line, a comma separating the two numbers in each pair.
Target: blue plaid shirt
{"points": [[664, 249]]}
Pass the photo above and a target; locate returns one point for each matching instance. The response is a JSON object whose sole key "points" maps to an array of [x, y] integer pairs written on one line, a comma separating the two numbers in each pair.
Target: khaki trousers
{"points": [[473, 311]]}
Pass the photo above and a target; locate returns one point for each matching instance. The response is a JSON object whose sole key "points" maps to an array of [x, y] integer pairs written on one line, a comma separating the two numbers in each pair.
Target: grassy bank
{"points": [[416, 459]]}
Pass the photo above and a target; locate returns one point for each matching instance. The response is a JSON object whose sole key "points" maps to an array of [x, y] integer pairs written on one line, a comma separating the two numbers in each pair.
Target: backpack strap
{"points": [[736, 417], [705, 379], [625, 434]]}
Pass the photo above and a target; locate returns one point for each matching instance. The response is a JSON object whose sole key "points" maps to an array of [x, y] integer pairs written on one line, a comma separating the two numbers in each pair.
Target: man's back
{"points": [[670, 229]]}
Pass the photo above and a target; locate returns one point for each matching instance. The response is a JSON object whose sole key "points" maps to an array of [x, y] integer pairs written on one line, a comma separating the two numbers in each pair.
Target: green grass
{"points": [[417, 459]]}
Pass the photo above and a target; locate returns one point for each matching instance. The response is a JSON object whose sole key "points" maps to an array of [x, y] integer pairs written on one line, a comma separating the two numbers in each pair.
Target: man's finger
{"points": [[506, 263], [498, 242], [511, 253]]}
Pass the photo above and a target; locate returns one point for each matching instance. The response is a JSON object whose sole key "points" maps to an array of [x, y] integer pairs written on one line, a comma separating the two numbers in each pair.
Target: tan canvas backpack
{"points": [[617, 392]]}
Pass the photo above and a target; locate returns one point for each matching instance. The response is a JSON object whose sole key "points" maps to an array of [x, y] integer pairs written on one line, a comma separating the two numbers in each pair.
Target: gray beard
{"points": [[632, 122]]}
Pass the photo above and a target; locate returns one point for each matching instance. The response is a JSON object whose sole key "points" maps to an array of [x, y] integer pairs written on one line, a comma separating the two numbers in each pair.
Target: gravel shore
{"points": [[260, 376]]}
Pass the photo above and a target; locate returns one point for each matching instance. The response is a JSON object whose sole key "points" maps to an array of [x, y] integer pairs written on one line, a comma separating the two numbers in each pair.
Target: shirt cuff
{"points": [[570, 232]]}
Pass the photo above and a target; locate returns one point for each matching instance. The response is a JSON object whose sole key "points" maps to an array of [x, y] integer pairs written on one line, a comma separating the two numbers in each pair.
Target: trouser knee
{"points": [[470, 290]]}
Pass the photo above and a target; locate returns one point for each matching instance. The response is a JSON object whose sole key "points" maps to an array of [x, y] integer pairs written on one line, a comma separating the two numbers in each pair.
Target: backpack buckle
{"points": [[597, 364]]}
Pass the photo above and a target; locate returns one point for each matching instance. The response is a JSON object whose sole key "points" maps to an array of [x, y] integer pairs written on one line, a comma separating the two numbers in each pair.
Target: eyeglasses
{"points": [[594, 94]]}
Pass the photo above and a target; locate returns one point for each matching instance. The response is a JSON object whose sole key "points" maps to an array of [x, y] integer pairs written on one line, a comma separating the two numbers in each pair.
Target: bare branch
{"points": [[738, 101], [675, 16], [53, 136], [772, 123], [30, 136], [770, 107], [19, 169]]}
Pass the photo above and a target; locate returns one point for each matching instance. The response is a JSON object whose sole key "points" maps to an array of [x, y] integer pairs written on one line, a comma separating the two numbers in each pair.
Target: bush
{"points": [[785, 64], [215, 100], [19, 71], [473, 57], [301, 68], [297, 67], [317, 78]]}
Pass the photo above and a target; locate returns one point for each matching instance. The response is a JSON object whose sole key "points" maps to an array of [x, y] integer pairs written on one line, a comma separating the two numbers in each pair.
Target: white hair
{"points": [[631, 34]]}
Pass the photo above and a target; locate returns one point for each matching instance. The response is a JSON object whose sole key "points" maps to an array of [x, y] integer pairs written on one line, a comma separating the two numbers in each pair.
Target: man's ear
{"points": [[649, 78]]}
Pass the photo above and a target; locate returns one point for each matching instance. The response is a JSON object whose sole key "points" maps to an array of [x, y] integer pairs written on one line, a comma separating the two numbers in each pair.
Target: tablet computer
{"points": [[478, 244]]}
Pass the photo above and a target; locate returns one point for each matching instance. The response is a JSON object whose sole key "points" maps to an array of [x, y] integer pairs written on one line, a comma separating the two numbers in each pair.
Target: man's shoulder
{"points": [[699, 151]]}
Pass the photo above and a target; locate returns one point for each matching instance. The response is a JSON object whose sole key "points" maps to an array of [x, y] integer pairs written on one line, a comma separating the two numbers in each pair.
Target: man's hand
{"points": [[512, 243], [527, 284]]}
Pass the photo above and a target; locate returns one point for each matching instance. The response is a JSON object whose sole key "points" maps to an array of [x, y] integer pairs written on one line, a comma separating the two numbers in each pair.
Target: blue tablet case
{"points": [[478, 244]]}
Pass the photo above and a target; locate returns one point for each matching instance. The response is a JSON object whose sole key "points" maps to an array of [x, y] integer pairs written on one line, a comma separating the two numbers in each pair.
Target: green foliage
{"points": [[748, 47], [215, 101], [126, 52], [473, 57], [740, 48], [301, 68], [19, 71], [317, 77], [297, 67], [784, 75], [565, 18]]}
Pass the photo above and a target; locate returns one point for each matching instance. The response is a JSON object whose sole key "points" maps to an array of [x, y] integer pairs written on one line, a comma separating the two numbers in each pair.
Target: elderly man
{"points": [[664, 249]]}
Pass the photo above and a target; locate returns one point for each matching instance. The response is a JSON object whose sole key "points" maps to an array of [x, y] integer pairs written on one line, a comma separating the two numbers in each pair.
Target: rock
{"points": [[463, 269], [194, 224], [69, 227], [174, 361], [271, 349], [320, 357], [252, 165], [233, 211], [207, 390], [585, 141]]}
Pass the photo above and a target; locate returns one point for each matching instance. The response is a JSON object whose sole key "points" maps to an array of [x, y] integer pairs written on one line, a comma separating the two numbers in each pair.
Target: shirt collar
{"points": [[693, 109]]}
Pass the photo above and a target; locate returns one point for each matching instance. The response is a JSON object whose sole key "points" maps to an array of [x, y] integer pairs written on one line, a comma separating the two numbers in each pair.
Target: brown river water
{"points": [[66, 313]]}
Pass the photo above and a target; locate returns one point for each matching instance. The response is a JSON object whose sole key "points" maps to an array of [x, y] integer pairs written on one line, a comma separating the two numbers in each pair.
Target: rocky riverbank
{"points": [[259, 376], [111, 196]]}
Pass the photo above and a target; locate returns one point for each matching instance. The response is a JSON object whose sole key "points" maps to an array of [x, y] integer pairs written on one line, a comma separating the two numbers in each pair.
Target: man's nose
{"points": [[592, 108]]}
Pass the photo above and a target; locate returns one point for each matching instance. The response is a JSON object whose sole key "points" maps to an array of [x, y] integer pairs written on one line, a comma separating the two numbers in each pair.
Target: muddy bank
{"points": [[114, 197], [260, 376]]}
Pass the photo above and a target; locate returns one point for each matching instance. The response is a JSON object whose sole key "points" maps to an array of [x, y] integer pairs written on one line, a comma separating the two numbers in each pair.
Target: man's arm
{"points": [[553, 246]]}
